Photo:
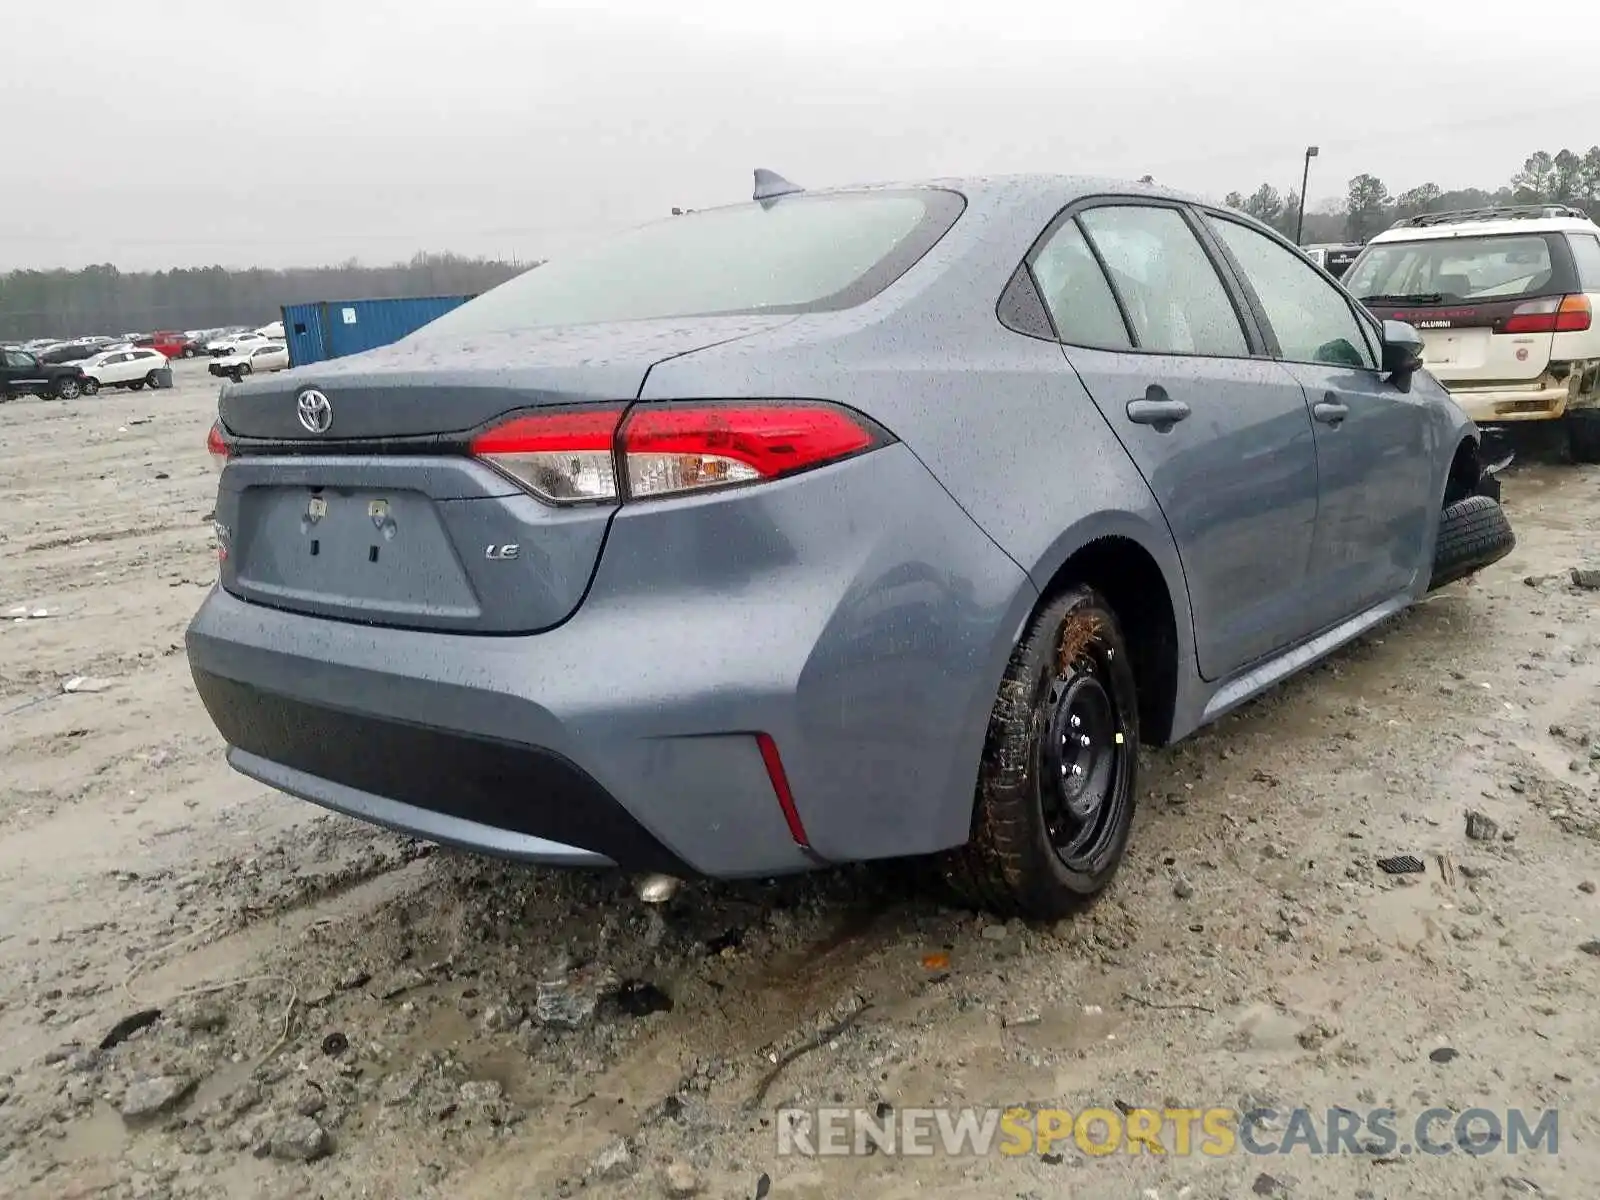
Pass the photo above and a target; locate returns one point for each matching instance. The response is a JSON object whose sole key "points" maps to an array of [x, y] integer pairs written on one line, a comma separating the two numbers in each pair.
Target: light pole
{"points": [[1305, 178]]}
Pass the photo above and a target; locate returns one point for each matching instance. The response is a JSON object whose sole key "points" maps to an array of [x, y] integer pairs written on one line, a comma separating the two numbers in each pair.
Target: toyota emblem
{"points": [[316, 414]]}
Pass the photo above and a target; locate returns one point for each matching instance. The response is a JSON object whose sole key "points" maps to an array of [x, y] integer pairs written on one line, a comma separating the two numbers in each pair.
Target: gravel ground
{"points": [[210, 989]]}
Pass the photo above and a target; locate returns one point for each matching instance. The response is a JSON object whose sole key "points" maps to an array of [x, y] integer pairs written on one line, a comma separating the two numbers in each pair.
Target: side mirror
{"points": [[1402, 353]]}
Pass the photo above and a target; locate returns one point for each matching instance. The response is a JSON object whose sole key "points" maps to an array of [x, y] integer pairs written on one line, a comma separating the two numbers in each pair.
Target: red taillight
{"points": [[687, 447], [217, 446], [563, 457], [1553, 314], [572, 455], [1574, 315], [780, 785]]}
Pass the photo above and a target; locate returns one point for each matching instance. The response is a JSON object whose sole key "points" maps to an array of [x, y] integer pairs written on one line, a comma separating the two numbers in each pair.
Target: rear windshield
{"points": [[801, 253], [1457, 269]]}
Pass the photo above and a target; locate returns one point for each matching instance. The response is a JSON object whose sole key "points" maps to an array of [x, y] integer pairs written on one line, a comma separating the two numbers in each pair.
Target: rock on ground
{"points": [[151, 1097], [614, 1162], [680, 1179], [298, 1139]]}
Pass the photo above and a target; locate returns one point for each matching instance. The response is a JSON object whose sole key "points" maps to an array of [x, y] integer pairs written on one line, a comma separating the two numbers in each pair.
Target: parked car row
{"points": [[171, 343], [84, 365]]}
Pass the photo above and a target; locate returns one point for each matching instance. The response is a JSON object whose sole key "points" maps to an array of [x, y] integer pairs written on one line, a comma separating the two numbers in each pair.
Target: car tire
{"points": [[68, 389], [1583, 435], [1473, 533], [135, 385], [188, 352], [153, 380], [91, 386], [1058, 780]]}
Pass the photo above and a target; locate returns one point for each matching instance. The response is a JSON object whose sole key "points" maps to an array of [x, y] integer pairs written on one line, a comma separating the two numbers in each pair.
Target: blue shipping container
{"points": [[334, 328]]}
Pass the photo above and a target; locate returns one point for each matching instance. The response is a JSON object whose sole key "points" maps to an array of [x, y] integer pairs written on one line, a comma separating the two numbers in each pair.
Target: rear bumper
{"points": [[1499, 406], [855, 614], [519, 801]]}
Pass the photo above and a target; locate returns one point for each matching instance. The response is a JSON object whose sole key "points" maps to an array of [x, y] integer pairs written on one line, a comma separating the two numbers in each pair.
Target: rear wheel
{"points": [[1057, 782], [1583, 435], [68, 389], [153, 380], [91, 386], [1473, 533]]}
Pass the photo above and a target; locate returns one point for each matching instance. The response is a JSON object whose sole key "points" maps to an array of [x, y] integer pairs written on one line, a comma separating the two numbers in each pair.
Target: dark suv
{"points": [[23, 374]]}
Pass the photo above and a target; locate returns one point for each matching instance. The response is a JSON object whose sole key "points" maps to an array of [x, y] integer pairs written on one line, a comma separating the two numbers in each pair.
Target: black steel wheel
{"points": [[1059, 776]]}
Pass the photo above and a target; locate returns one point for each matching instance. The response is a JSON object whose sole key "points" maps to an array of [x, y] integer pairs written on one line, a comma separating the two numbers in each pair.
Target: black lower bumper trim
{"points": [[523, 789]]}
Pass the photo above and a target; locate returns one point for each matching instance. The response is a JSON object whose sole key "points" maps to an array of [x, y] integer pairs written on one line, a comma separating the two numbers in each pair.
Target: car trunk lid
{"points": [[364, 505], [426, 386]]}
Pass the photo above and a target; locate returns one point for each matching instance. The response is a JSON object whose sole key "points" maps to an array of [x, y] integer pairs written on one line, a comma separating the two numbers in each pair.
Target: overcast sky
{"points": [[182, 132]]}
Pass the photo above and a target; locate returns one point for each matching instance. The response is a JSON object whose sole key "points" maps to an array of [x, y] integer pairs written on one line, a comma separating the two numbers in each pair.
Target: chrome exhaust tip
{"points": [[657, 889]]}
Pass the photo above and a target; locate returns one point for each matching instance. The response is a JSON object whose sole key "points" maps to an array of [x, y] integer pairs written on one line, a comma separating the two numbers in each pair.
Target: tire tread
{"points": [[1473, 533], [991, 871]]}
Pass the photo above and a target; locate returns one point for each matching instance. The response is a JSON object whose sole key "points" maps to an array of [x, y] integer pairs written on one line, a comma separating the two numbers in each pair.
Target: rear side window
{"points": [[1454, 270], [1174, 298], [1586, 253], [1076, 293], [803, 253]]}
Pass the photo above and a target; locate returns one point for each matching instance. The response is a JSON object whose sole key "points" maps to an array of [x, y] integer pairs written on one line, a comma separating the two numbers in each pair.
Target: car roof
{"points": [[1065, 187]]}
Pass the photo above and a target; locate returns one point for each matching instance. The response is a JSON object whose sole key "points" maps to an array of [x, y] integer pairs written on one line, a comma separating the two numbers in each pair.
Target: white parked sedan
{"points": [[252, 360], [233, 343], [131, 368]]}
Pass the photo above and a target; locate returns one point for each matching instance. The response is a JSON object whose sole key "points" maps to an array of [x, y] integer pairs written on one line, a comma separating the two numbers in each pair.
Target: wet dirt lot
{"points": [[277, 985]]}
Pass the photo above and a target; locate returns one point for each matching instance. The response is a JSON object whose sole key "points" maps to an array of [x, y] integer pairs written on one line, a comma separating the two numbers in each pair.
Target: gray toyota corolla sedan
{"points": [[838, 525]]}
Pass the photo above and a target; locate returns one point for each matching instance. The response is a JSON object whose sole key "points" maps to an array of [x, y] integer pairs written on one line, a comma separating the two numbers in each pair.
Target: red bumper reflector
{"points": [[780, 785]]}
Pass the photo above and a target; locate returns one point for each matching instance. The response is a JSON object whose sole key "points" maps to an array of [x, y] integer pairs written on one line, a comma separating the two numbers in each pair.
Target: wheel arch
{"points": [[1136, 568], [1466, 464]]}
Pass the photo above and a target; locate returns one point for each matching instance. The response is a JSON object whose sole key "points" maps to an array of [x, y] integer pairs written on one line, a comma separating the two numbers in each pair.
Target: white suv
{"points": [[1506, 301]]}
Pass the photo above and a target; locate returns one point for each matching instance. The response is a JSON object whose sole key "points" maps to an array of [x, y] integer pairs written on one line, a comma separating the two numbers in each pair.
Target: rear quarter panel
{"points": [[998, 419]]}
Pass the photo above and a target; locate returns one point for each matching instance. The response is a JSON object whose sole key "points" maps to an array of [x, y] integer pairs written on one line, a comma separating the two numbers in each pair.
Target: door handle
{"points": [[1158, 409], [1330, 412]]}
